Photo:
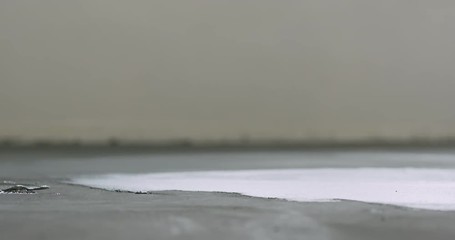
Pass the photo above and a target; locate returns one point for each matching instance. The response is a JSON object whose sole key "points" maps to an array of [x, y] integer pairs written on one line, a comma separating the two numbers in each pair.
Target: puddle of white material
{"points": [[416, 188]]}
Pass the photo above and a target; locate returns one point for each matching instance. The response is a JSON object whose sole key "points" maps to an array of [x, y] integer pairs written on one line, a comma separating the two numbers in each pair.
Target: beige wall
{"points": [[219, 69]]}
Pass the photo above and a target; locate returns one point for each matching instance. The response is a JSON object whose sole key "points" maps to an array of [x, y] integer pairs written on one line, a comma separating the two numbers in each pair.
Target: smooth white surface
{"points": [[416, 188]]}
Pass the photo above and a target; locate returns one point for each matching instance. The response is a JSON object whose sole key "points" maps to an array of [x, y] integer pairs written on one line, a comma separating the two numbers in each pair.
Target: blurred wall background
{"points": [[214, 69]]}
